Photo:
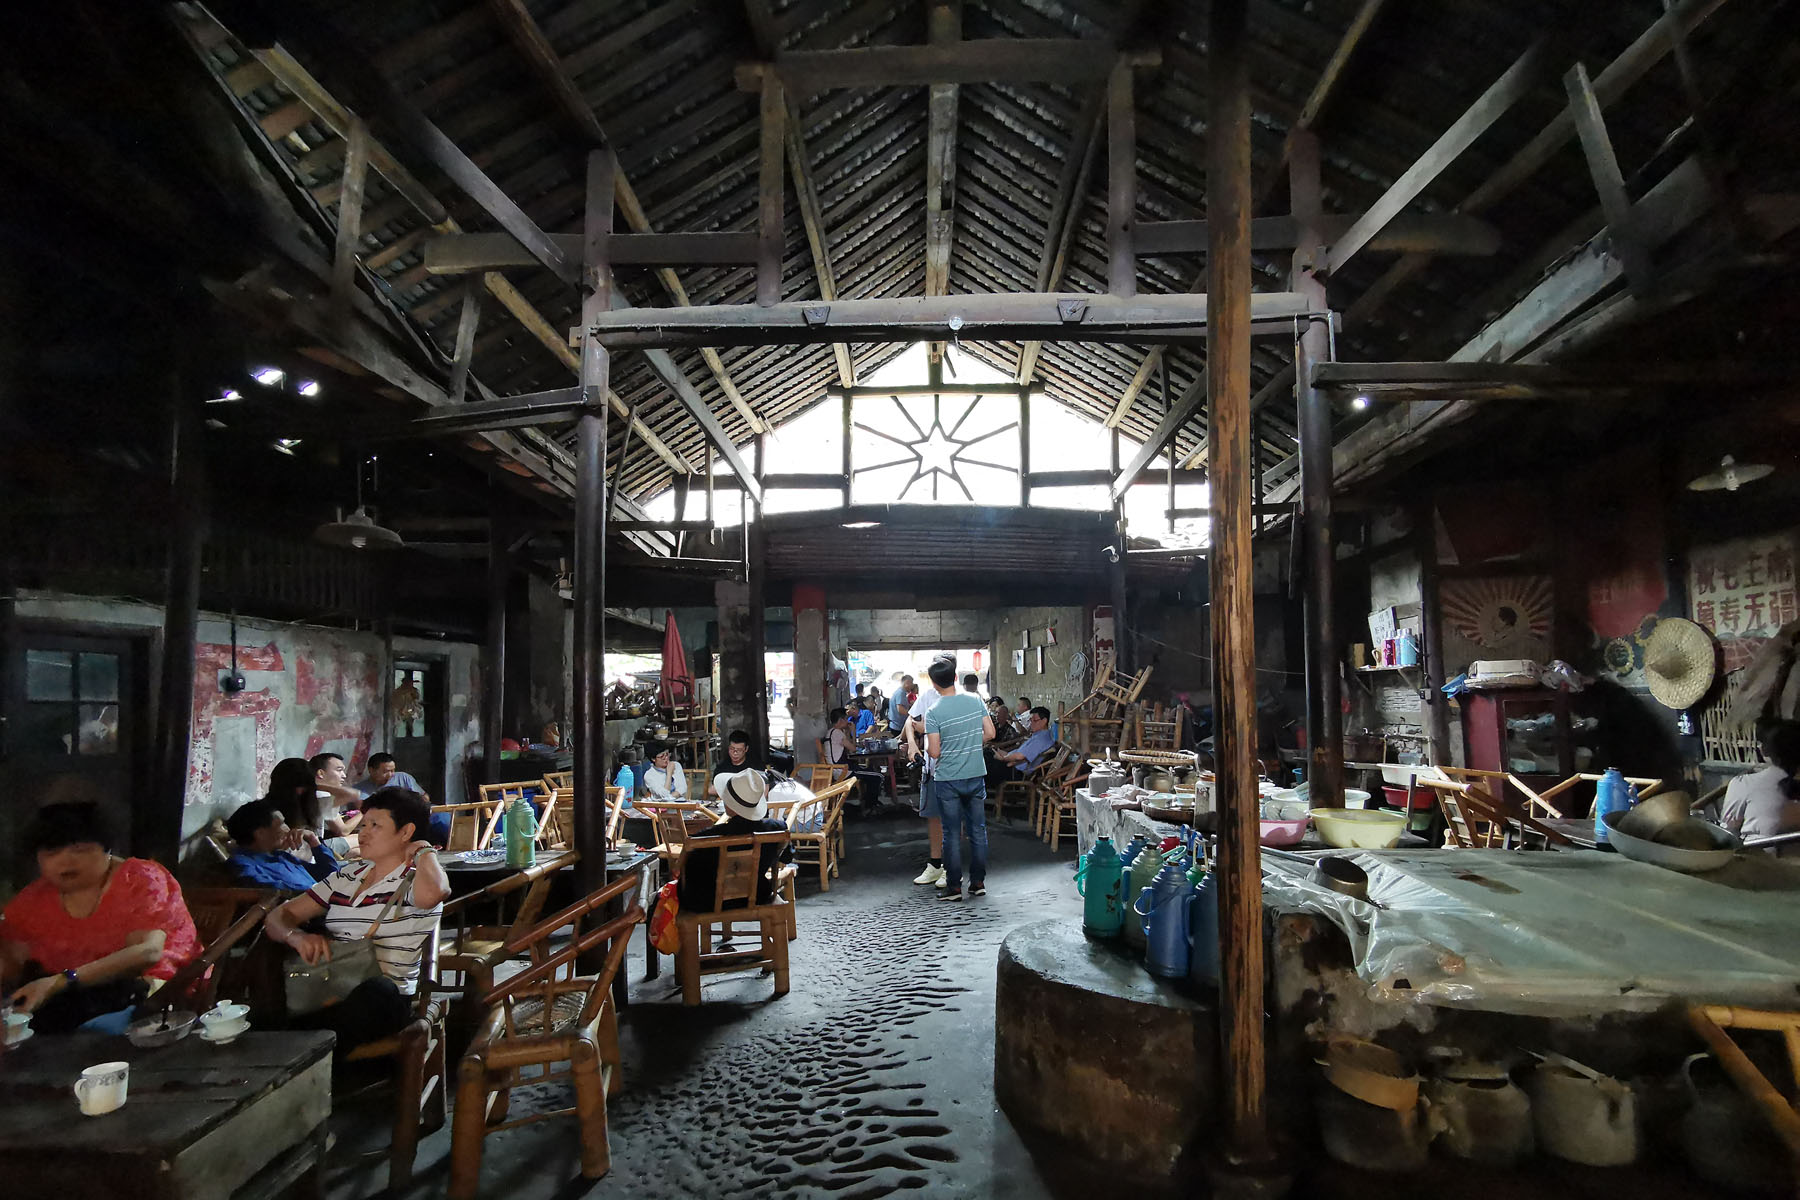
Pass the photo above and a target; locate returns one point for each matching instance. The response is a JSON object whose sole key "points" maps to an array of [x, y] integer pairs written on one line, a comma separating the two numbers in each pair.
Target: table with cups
{"points": [[208, 1116]]}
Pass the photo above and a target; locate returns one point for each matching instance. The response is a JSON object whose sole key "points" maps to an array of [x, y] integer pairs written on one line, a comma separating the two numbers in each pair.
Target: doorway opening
{"points": [[416, 733]]}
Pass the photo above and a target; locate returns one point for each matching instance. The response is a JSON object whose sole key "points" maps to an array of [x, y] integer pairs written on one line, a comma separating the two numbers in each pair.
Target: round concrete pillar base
{"points": [[1097, 1057]]}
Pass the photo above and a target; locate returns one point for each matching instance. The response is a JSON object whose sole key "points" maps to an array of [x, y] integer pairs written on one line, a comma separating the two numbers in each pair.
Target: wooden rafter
{"points": [[299, 82], [304, 25], [1318, 100], [547, 67], [1630, 66], [763, 30], [943, 22]]}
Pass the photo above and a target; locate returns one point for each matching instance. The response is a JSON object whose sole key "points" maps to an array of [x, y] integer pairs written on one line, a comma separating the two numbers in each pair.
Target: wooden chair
{"points": [[823, 845], [1159, 728], [1474, 816], [556, 781], [468, 949], [1056, 812], [472, 825], [540, 1018], [735, 880], [420, 1079], [673, 821], [223, 917], [1026, 786]]}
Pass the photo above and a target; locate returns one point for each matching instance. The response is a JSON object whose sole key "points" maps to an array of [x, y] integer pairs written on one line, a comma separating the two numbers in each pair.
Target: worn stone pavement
{"points": [[873, 1076]]}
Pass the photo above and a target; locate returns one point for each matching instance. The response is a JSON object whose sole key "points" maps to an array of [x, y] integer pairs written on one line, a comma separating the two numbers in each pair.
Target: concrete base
{"points": [[1094, 1054]]}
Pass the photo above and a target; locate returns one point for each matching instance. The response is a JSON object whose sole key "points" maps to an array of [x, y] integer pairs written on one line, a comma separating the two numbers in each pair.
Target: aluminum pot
{"points": [[1104, 775]]}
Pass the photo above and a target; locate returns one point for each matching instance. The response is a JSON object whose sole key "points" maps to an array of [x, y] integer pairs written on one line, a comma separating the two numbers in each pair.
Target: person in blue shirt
{"points": [[956, 729], [865, 719], [1024, 759], [265, 849], [382, 771]]}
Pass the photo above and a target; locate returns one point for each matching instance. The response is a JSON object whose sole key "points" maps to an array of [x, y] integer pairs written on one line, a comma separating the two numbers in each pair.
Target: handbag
{"points": [[309, 987], [663, 933]]}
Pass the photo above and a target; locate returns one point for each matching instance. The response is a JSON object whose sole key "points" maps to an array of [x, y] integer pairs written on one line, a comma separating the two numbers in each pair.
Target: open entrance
{"points": [[416, 722]]}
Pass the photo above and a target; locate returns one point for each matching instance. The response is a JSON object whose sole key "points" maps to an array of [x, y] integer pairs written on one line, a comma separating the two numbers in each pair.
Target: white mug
{"points": [[101, 1089]]}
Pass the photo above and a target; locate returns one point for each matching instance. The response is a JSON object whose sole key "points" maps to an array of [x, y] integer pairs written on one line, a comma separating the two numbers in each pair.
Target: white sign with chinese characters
{"points": [[1743, 588]]}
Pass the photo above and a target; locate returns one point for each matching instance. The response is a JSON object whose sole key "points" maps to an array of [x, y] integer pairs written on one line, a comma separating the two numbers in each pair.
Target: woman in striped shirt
{"points": [[345, 903]]}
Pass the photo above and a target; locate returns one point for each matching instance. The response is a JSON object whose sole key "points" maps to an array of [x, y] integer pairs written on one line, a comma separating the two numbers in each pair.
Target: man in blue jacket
{"points": [[264, 854]]}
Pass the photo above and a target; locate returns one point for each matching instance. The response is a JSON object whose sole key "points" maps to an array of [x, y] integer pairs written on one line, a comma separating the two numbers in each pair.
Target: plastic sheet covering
{"points": [[1560, 933]]}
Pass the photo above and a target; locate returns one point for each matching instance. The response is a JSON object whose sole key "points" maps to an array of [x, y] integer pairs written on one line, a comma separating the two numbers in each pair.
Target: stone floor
{"points": [[874, 1075]]}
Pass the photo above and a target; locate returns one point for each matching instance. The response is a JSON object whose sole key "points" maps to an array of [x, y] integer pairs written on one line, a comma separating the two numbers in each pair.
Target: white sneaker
{"points": [[942, 878], [931, 874]]}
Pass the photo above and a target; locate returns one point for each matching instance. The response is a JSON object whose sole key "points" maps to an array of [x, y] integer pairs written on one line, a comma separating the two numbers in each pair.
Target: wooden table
{"points": [[200, 1122], [466, 877], [882, 762]]}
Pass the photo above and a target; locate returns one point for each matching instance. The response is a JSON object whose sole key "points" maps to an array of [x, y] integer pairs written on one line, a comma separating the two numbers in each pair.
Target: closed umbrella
{"points": [[677, 677]]}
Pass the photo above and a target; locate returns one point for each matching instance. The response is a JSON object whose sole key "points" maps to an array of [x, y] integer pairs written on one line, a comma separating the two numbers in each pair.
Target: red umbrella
{"points": [[677, 677]]}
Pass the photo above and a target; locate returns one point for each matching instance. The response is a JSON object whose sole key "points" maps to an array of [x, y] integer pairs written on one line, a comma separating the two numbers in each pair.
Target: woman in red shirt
{"points": [[91, 932]]}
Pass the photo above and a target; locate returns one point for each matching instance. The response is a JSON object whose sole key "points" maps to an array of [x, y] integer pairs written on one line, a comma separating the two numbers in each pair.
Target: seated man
{"points": [[263, 850], [382, 771], [864, 719], [836, 747], [1001, 714], [341, 802], [746, 798], [1020, 762], [738, 754], [664, 779]]}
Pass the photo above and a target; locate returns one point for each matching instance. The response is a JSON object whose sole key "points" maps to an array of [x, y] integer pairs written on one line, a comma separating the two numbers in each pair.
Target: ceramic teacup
{"points": [[17, 1023], [224, 1021], [102, 1088]]}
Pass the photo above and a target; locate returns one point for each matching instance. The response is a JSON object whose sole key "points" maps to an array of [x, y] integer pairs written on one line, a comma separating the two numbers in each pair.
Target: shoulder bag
{"points": [[312, 986]]}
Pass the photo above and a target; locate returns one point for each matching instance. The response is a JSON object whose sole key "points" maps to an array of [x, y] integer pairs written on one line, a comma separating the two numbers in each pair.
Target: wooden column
{"points": [[1324, 702], [1431, 631], [590, 538], [770, 215], [1124, 651], [758, 578], [493, 652], [156, 822], [812, 657], [1228, 203]]}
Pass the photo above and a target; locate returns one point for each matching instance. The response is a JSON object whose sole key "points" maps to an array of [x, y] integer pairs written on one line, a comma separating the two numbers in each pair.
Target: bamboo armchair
{"points": [[556, 781], [223, 917], [420, 1079], [1159, 728], [1056, 808], [819, 775], [556, 828], [1027, 785], [674, 820], [1477, 813], [541, 1018], [824, 845], [735, 881], [472, 825], [468, 949]]}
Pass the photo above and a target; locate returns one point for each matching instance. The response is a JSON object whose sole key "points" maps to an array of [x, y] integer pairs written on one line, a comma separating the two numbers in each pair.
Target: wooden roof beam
{"points": [[1631, 65], [547, 67], [943, 24], [300, 82], [1324, 90], [990, 60], [1502, 94]]}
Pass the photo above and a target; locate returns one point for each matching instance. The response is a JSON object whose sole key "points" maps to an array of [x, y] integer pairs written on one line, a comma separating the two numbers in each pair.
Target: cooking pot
{"points": [[1153, 778]]}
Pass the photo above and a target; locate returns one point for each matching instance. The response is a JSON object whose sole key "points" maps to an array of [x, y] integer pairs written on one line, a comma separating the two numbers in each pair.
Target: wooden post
{"points": [[493, 654], [757, 576], [1324, 713], [349, 221], [1121, 185], [156, 820], [1123, 647], [770, 211], [847, 465], [1228, 203], [590, 538], [1431, 630], [1024, 447], [466, 322]]}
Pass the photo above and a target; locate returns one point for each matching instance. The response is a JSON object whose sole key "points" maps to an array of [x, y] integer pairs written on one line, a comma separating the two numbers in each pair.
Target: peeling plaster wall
{"points": [[1052, 687], [307, 689]]}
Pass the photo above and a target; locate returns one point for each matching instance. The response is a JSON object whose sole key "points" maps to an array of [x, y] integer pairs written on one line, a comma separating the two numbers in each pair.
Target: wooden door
{"points": [[73, 711], [416, 732]]}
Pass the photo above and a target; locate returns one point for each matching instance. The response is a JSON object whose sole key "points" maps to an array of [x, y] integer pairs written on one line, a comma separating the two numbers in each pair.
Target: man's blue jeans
{"points": [[963, 803]]}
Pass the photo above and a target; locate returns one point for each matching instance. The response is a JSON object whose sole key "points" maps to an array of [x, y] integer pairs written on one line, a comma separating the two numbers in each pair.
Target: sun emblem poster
{"points": [[1501, 616]]}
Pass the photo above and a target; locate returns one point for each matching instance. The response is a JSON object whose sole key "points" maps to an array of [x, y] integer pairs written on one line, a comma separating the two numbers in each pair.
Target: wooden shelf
{"points": [[1373, 670]]}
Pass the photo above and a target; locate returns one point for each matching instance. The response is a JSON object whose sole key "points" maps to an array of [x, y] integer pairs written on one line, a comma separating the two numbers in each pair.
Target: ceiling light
{"points": [[226, 397], [1730, 476], [269, 376], [358, 531], [860, 525], [286, 445], [309, 387], [1360, 403]]}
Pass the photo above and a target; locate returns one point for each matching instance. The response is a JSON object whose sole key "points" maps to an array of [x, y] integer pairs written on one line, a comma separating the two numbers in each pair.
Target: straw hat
{"points": [[1678, 662], [745, 793]]}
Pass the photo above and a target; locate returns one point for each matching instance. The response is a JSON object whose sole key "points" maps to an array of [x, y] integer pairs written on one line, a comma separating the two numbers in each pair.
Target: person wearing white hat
{"points": [[745, 795]]}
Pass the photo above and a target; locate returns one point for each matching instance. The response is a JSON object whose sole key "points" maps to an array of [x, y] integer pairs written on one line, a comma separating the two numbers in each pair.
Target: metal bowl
{"points": [[1688, 862], [160, 1029]]}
